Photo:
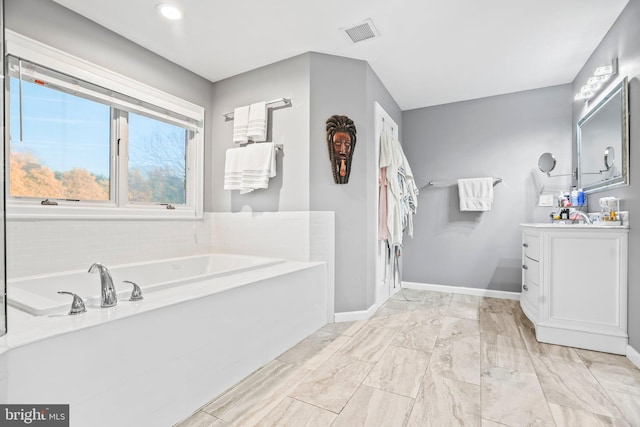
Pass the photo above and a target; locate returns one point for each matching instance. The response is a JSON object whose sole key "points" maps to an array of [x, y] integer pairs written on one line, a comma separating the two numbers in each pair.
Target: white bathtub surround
{"points": [[165, 355], [44, 246], [297, 236], [37, 295]]}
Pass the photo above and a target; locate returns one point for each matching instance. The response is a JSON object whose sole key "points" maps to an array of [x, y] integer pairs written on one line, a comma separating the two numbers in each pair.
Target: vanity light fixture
{"points": [[169, 11], [600, 76]]}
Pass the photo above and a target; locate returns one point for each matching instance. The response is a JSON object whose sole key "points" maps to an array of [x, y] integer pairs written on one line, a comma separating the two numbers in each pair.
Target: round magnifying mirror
{"points": [[609, 158], [547, 162]]}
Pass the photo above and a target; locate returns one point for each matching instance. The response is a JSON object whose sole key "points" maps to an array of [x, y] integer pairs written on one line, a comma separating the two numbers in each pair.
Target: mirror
{"points": [[602, 134], [547, 162]]}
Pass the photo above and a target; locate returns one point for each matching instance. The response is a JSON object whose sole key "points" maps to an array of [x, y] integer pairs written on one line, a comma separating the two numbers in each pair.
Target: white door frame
{"points": [[384, 283]]}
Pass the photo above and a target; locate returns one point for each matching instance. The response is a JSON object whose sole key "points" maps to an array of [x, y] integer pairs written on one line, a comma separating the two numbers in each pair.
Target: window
{"points": [[97, 142]]}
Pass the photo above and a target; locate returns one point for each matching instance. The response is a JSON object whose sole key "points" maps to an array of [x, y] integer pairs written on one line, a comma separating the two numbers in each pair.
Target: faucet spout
{"points": [[581, 214], [108, 296]]}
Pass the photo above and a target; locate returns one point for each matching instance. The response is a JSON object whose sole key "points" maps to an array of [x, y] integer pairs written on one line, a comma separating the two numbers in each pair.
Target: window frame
{"points": [[130, 96]]}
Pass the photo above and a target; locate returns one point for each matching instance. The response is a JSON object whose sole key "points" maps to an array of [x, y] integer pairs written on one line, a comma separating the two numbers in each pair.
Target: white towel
{"points": [[240, 124], [233, 169], [258, 165], [257, 127], [476, 194]]}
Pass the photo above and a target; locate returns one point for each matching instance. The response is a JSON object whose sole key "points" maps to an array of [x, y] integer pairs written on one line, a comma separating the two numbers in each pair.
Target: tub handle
{"points": [[77, 306], [136, 293]]}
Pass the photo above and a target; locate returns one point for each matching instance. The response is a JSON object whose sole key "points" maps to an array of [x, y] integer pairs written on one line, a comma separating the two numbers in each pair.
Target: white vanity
{"points": [[574, 284]]}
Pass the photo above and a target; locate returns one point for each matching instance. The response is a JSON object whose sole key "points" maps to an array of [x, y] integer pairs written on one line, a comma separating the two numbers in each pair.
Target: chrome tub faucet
{"points": [[108, 296]]}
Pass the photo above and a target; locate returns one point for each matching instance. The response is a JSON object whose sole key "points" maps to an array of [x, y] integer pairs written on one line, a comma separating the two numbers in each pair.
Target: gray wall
{"points": [[623, 42], [349, 87], [320, 86], [289, 126], [499, 136]]}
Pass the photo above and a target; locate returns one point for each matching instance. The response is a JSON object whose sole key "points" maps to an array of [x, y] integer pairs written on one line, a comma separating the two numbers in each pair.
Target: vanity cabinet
{"points": [[574, 285]]}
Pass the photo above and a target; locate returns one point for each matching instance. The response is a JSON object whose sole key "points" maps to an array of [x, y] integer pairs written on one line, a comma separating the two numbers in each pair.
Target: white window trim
{"points": [[47, 56]]}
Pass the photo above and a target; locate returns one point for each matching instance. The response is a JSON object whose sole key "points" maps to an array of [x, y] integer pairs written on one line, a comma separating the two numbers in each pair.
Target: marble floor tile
{"points": [[369, 344], [589, 357], [572, 417], [628, 404], [333, 383], [255, 396], [395, 319], [371, 407], [513, 398], [548, 351], [494, 354], [405, 294], [572, 385], [338, 327], [617, 378], [202, 419], [457, 329], [314, 350], [432, 361], [445, 402], [400, 371], [456, 360], [499, 323], [385, 311], [463, 310], [294, 413], [419, 335], [354, 328]]}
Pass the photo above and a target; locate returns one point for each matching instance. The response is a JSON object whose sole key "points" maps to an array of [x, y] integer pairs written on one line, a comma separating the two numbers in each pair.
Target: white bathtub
{"points": [[37, 295]]}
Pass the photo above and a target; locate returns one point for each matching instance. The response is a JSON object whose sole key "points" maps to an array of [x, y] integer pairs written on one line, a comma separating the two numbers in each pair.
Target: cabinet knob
{"points": [[525, 287], [524, 267], [526, 245]]}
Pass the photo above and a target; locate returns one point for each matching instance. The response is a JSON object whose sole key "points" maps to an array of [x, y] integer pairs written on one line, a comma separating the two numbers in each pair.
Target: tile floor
{"points": [[435, 360]]}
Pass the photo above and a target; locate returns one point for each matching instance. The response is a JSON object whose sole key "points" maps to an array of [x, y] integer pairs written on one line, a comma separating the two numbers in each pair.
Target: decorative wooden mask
{"points": [[341, 141]]}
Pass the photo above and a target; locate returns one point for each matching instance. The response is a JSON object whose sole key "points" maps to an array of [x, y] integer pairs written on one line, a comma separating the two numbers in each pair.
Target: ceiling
{"points": [[429, 52]]}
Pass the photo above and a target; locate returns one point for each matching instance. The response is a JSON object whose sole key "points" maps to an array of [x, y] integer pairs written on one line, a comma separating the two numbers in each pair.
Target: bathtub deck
{"points": [[167, 353]]}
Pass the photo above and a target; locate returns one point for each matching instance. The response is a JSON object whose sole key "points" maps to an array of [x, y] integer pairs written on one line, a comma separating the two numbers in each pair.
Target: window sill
{"points": [[18, 211]]}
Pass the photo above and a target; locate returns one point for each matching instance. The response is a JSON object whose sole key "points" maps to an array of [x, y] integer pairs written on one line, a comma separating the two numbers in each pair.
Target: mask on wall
{"points": [[341, 141]]}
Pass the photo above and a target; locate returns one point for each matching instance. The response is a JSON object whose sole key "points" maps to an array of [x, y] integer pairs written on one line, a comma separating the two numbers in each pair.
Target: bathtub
{"points": [[205, 323], [37, 295]]}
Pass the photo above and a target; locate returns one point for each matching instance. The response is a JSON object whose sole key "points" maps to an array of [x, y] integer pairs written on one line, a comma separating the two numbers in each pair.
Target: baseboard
{"points": [[350, 316], [462, 290], [633, 355]]}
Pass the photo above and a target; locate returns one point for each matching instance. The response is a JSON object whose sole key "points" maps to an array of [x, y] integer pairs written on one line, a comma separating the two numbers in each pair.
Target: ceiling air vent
{"points": [[363, 31]]}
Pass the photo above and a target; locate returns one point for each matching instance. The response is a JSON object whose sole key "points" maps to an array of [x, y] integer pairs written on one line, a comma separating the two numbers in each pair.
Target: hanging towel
{"points": [[240, 124], [257, 126], [476, 194], [233, 168], [258, 166]]}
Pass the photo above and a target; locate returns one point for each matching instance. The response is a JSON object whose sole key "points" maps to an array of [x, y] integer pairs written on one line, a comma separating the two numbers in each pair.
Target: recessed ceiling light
{"points": [[169, 11]]}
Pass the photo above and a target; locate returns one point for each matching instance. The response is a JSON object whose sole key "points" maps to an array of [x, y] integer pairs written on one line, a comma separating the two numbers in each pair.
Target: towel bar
{"points": [[285, 102], [496, 181]]}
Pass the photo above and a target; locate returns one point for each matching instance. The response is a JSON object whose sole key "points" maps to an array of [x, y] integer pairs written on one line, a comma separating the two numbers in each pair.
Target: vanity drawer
{"points": [[531, 271], [531, 246], [531, 292]]}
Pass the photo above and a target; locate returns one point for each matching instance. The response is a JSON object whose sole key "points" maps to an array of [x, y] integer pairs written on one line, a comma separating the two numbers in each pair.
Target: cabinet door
{"points": [[583, 280]]}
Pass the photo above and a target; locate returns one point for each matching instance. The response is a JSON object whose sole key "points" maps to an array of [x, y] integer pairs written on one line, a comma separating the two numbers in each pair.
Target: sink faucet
{"points": [[584, 216], [108, 291]]}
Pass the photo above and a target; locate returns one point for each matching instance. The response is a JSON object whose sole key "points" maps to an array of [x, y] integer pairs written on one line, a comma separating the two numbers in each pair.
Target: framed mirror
{"points": [[603, 142]]}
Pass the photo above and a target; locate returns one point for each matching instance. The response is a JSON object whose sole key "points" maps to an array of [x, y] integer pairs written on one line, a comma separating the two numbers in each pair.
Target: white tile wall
{"points": [[46, 246], [297, 236]]}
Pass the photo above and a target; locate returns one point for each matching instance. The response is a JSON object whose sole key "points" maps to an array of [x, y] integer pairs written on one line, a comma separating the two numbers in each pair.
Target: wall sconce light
{"points": [[600, 76]]}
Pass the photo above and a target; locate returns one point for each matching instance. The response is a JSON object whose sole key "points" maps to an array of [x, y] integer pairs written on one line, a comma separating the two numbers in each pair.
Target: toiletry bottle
{"points": [[574, 197], [580, 197]]}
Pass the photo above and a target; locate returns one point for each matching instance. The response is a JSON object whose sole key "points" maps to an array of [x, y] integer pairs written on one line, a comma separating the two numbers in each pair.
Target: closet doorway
{"points": [[387, 283]]}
